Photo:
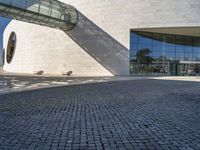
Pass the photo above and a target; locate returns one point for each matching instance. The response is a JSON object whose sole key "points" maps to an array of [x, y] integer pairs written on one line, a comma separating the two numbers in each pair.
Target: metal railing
{"points": [[51, 13]]}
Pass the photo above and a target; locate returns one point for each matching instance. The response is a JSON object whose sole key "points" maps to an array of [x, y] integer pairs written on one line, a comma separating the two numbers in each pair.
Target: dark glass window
{"points": [[11, 47], [164, 54]]}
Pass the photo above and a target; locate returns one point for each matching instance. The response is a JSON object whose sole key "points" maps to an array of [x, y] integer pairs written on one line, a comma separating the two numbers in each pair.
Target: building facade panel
{"points": [[50, 50]]}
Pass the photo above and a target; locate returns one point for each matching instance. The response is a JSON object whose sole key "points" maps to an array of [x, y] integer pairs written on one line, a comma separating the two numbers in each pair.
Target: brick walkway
{"points": [[143, 114]]}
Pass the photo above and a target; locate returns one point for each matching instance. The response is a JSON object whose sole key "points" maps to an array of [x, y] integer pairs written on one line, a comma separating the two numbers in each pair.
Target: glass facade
{"points": [[164, 54]]}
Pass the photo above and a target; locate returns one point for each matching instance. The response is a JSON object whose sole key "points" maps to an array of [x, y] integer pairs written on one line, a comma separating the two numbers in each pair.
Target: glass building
{"points": [[164, 54]]}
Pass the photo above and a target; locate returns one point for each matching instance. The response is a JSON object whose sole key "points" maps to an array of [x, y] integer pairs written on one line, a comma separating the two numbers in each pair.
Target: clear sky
{"points": [[3, 23]]}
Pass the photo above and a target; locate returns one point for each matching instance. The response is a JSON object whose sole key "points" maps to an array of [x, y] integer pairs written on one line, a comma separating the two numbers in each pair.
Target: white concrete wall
{"points": [[53, 51], [117, 17], [43, 48]]}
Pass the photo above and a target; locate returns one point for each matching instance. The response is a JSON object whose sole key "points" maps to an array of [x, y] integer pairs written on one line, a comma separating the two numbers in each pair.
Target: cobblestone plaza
{"points": [[140, 114]]}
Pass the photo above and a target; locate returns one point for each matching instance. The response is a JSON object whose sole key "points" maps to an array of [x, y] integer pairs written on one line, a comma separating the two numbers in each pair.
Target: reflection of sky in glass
{"points": [[173, 47]]}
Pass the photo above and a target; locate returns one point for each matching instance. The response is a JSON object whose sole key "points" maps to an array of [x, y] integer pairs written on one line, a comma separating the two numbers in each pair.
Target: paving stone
{"points": [[144, 114]]}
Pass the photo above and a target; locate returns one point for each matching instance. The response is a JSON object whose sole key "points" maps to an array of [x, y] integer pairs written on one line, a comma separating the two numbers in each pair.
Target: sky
{"points": [[3, 23]]}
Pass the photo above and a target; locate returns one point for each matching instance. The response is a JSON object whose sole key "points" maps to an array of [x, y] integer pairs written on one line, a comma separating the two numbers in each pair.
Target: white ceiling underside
{"points": [[188, 31]]}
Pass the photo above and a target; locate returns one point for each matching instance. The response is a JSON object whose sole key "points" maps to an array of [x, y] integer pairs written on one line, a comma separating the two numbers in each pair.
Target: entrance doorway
{"points": [[174, 68]]}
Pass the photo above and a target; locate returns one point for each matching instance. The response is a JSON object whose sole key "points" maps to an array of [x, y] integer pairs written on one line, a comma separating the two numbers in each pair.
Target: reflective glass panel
{"points": [[164, 54]]}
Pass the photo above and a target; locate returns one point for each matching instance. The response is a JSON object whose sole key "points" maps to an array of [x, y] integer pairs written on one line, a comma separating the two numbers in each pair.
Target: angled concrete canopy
{"points": [[51, 13]]}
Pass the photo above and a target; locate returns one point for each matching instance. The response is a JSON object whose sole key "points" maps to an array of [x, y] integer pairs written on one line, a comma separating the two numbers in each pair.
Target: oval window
{"points": [[11, 47]]}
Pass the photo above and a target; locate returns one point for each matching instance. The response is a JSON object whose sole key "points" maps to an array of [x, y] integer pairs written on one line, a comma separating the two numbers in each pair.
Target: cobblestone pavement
{"points": [[140, 114]]}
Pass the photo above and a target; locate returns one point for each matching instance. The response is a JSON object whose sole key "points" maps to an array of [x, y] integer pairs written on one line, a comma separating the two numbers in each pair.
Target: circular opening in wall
{"points": [[11, 47]]}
